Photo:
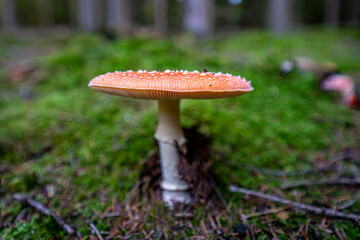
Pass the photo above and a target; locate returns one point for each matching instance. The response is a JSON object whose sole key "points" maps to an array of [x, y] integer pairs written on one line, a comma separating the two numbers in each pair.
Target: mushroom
{"points": [[168, 88]]}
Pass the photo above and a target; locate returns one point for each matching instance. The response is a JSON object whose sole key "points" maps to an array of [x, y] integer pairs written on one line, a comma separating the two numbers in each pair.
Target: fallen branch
{"points": [[309, 208], [46, 211], [332, 181]]}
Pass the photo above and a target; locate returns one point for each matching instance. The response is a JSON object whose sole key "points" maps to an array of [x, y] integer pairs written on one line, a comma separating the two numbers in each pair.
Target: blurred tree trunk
{"points": [[161, 16], [118, 14], [8, 15], [353, 13], [73, 12], [100, 14], [332, 10], [199, 16], [280, 15], [86, 15], [45, 12]]}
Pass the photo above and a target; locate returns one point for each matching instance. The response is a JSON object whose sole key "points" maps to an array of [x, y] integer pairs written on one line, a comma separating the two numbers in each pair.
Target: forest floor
{"points": [[80, 153]]}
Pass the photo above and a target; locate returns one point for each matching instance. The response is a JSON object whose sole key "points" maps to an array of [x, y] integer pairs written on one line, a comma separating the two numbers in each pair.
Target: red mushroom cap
{"points": [[170, 85]]}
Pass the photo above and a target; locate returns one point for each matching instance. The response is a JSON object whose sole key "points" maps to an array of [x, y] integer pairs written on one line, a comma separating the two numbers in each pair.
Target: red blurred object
{"points": [[342, 84]]}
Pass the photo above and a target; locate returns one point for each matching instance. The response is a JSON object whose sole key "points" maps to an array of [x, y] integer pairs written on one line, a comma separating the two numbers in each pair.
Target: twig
{"points": [[212, 222], [347, 203], [205, 230], [307, 227], [6, 233], [96, 231], [112, 234], [217, 236], [332, 181], [270, 211], [293, 173], [131, 236], [130, 195], [309, 208], [223, 201], [271, 228], [246, 223], [165, 232], [20, 216], [346, 155], [338, 234], [46, 211]]}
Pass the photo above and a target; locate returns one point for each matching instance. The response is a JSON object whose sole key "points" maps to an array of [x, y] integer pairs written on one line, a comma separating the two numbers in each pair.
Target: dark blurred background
{"points": [[163, 17]]}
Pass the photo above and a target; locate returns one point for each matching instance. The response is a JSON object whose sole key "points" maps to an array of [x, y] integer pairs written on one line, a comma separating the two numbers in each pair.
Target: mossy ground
{"points": [[77, 150]]}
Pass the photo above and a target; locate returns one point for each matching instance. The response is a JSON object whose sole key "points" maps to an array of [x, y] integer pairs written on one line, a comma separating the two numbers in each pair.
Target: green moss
{"points": [[88, 143]]}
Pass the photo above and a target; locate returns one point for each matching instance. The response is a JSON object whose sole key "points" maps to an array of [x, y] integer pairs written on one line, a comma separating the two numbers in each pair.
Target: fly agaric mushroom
{"points": [[168, 88]]}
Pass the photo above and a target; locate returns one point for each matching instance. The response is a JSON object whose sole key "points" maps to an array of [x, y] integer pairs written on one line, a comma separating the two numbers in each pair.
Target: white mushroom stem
{"points": [[168, 134]]}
